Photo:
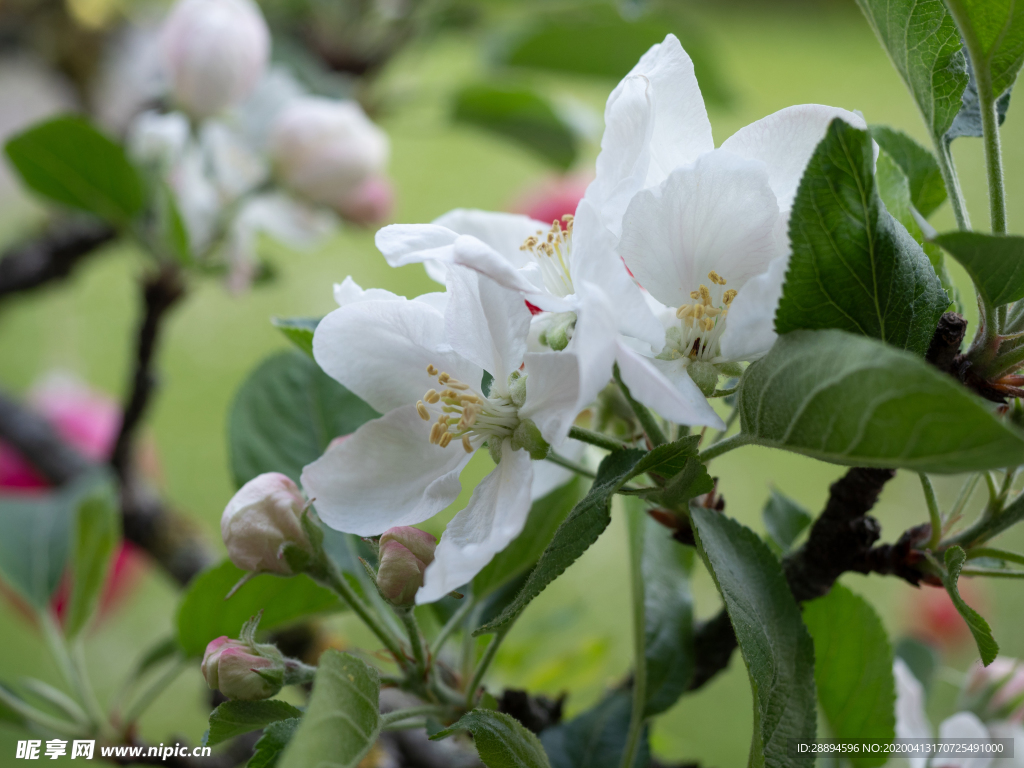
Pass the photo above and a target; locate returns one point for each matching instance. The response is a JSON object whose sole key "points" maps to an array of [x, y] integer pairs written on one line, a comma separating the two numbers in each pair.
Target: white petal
{"points": [[717, 214], [594, 342], [527, 280], [350, 292], [547, 476], [785, 141], [404, 244], [486, 323], [504, 232], [495, 515], [911, 720], [596, 262], [665, 387], [962, 725], [1005, 729], [286, 219], [750, 328], [552, 394], [381, 349], [385, 474]]}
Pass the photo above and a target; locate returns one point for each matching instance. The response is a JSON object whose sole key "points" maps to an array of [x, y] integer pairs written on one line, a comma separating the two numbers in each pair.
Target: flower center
{"points": [[702, 323], [465, 414], [552, 251]]}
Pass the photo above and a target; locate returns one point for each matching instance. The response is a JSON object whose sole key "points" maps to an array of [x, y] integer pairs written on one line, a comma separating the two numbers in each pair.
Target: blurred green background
{"points": [[575, 636]]}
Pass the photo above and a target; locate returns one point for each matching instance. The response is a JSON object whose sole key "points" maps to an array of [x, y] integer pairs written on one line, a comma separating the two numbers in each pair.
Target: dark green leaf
{"points": [[205, 615], [596, 738], [987, 645], [853, 266], [923, 43], [519, 114], [927, 190], [668, 615], [784, 520], [591, 516], [172, 228], [968, 119], [233, 718], [852, 400], [500, 740], [298, 330], [921, 658], [546, 515], [692, 481], [67, 160], [776, 647], [7, 713], [285, 415], [852, 668], [97, 530], [994, 32], [272, 743], [995, 263], [342, 721]]}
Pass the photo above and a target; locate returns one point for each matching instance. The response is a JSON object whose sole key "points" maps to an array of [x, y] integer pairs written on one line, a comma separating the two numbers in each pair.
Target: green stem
{"points": [[993, 156], [647, 420], [717, 449], [998, 554], [576, 467], [89, 698], [949, 176], [151, 694], [993, 572], [404, 714], [415, 640], [337, 582], [599, 439], [451, 625], [637, 521], [73, 670], [965, 496], [49, 722], [485, 663], [728, 425], [934, 516]]}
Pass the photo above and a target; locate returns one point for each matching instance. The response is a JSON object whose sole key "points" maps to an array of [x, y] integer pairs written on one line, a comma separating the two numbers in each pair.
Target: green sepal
{"points": [[527, 437]]}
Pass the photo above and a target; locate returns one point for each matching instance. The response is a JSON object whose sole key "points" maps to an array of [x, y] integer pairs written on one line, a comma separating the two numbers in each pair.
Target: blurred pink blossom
{"points": [[552, 198], [935, 620], [370, 203]]}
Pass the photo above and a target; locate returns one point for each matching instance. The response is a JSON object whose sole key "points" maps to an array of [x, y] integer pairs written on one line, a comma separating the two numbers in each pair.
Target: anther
{"points": [[708, 323], [466, 444], [456, 384], [432, 396], [421, 409], [698, 311], [446, 438], [712, 311], [729, 296], [684, 311], [432, 370], [443, 378], [705, 294], [694, 294], [716, 278], [435, 433]]}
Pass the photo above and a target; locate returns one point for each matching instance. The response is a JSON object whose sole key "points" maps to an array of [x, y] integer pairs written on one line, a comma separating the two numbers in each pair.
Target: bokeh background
{"points": [[575, 637]]}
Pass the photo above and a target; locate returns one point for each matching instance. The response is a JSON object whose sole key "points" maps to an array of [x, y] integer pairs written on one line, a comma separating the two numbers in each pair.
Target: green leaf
{"points": [[784, 520], [853, 266], [285, 415], [521, 555], [68, 161], [776, 647], [994, 33], [994, 262], [853, 668], [927, 190], [342, 721], [591, 516], [987, 645], [233, 718], [924, 45], [600, 41], [968, 119], [172, 229], [852, 400], [596, 738], [500, 740], [921, 658], [97, 530], [519, 114], [272, 743], [205, 615], [668, 615], [298, 330], [8, 714]]}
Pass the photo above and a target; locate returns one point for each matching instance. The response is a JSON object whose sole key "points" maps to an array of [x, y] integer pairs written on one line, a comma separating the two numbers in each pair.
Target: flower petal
{"points": [[350, 292], [750, 331], [386, 474], [962, 726], [495, 515], [381, 349], [717, 214], [404, 244], [911, 720], [527, 280], [504, 232], [486, 323], [552, 393], [665, 387], [785, 141]]}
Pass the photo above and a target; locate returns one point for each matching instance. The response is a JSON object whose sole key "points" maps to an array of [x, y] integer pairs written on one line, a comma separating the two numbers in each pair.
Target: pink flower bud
{"points": [[553, 198], [999, 688], [371, 202], [264, 515], [404, 555], [215, 52], [325, 150], [230, 666]]}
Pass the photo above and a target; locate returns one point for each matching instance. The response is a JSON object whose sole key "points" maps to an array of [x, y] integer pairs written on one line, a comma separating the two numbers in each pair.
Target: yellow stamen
{"points": [[716, 278], [443, 378], [698, 311], [705, 294], [694, 294], [708, 323], [712, 311], [435, 433], [684, 311], [729, 296], [431, 396], [466, 444], [432, 370], [456, 384], [421, 409], [446, 438]]}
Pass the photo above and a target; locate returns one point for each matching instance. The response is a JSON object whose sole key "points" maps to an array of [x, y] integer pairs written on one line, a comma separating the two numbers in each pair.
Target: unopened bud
{"points": [[404, 555], [241, 671], [215, 51], [325, 150], [369, 203], [996, 692], [260, 519]]}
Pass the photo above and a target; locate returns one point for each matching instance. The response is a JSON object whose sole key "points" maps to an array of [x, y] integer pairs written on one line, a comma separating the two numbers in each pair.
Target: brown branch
{"points": [[53, 255]]}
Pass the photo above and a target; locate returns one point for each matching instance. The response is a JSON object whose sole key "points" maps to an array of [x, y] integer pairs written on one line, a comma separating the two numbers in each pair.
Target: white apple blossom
{"points": [[421, 363]]}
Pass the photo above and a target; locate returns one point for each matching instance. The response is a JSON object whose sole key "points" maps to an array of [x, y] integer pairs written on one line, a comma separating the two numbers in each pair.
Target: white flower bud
{"points": [[215, 52], [230, 666], [264, 515], [325, 150]]}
